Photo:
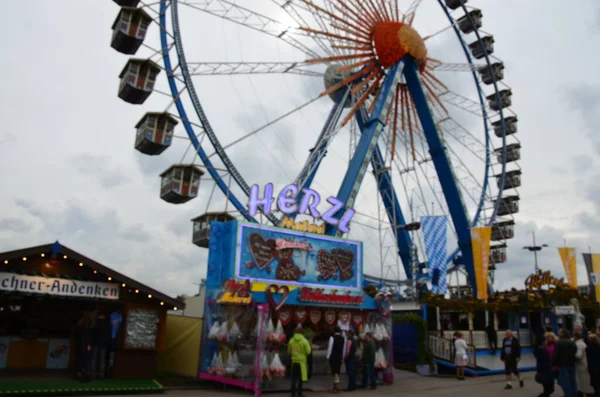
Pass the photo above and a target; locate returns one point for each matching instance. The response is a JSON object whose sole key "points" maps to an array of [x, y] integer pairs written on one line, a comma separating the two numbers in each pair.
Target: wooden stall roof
{"points": [[47, 248]]}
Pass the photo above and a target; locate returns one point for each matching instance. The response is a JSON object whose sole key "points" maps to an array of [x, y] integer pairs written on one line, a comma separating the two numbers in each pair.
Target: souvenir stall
{"points": [[262, 282]]}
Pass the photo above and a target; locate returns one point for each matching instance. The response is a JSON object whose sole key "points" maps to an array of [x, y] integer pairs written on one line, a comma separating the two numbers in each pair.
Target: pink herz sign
{"points": [[287, 202]]}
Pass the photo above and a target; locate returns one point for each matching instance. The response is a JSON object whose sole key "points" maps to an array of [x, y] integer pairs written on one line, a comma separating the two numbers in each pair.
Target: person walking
{"points": [[100, 342], [511, 355], [593, 362], [564, 358], [350, 359], [460, 355], [543, 360], [298, 349], [492, 336], [368, 362], [581, 367], [335, 355]]}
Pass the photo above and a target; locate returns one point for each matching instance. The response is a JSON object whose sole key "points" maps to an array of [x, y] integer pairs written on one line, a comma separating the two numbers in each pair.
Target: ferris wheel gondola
{"points": [[388, 95]]}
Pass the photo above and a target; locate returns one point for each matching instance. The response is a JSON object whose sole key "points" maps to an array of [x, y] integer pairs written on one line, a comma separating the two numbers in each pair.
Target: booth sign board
{"points": [[564, 310], [286, 202], [291, 258], [58, 286]]}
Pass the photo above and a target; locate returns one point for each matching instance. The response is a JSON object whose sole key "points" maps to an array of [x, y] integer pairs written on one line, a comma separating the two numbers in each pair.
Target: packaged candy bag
{"points": [[380, 360], [214, 330], [264, 367], [276, 368], [377, 333], [385, 333], [234, 332], [270, 332], [222, 334], [280, 336], [366, 330], [220, 368], [235, 361]]}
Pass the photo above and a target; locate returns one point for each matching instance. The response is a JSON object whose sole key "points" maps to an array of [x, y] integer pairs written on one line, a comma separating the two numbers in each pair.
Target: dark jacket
{"points": [[564, 353], [368, 356], [543, 365], [491, 332], [593, 361], [515, 349], [353, 346], [101, 333]]}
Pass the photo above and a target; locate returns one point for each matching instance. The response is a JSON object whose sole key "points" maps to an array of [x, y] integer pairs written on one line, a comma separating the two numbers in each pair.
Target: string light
{"points": [[110, 278], [162, 303], [24, 258], [43, 255], [80, 264], [5, 262], [137, 291], [65, 257], [149, 295], [175, 308], [95, 271], [123, 285]]}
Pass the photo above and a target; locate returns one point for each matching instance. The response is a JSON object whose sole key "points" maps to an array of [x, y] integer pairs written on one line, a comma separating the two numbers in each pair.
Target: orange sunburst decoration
{"points": [[375, 35]]}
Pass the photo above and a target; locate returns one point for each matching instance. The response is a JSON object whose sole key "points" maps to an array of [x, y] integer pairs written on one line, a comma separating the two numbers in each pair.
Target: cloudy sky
{"points": [[72, 174]]}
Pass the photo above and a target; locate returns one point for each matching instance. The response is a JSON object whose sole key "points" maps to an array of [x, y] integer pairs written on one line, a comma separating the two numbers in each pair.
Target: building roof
{"points": [[57, 247]]}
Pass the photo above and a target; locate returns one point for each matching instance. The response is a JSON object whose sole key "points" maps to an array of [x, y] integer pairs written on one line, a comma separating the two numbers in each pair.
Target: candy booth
{"points": [[262, 282]]}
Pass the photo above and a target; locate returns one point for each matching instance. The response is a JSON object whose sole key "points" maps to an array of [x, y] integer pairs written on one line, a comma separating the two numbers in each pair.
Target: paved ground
{"points": [[407, 385]]}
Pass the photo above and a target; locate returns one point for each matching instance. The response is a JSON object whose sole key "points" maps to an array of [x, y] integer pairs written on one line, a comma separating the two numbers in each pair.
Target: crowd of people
{"points": [[571, 361], [340, 350]]}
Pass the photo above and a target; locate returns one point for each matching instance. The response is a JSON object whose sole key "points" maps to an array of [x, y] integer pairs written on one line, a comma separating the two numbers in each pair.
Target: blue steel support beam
{"points": [[391, 204], [307, 175], [186, 124], [443, 168], [366, 146]]}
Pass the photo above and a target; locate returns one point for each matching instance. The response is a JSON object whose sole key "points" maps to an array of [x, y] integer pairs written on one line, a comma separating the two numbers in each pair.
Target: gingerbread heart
{"points": [[276, 289], [327, 265], [262, 250], [384, 309], [285, 316], [315, 316], [301, 315], [330, 317], [357, 319], [345, 260], [344, 317]]}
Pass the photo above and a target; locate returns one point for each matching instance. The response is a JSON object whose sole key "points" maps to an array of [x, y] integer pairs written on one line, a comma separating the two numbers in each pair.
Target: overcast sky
{"points": [[71, 172]]}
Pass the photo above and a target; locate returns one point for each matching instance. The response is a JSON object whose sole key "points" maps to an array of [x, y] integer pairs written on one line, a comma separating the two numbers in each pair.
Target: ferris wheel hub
{"points": [[393, 40]]}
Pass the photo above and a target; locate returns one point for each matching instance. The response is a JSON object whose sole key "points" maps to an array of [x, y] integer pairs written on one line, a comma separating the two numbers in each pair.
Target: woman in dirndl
{"points": [[460, 355]]}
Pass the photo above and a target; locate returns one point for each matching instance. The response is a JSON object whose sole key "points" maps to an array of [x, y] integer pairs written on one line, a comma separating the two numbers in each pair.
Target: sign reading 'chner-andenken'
{"points": [[58, 286]]}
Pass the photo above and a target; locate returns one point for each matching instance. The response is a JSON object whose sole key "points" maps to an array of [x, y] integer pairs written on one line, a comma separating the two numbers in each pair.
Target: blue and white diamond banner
{"points": [[436, 248]]}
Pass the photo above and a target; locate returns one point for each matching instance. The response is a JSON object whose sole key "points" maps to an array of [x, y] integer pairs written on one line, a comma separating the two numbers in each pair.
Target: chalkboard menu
{"points": [[142, 328]]}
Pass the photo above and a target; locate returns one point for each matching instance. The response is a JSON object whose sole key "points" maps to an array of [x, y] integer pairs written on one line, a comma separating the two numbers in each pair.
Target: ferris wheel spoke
{"points": [[265, 126], [457, 67], [245, 68], [409, 16], [463, 103], [250, 19]]}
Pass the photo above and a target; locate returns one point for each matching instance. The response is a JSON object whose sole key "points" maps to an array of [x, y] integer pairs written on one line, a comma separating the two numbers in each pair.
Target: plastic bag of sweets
{"points": [[222, 334], [279, 335], [234, 332], [214, 330], [276, 368], [380, 360], [264, 367]]}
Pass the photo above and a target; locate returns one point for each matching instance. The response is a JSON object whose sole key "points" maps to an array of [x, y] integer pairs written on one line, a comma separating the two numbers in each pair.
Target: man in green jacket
{"points": [[299, 349]]}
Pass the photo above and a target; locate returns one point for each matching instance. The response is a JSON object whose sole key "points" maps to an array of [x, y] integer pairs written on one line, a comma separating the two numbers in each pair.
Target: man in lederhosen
{"points": [[335, 355]]}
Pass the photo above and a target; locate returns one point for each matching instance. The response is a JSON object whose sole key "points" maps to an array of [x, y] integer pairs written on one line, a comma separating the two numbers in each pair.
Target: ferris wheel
{"points": [[409, 90]]}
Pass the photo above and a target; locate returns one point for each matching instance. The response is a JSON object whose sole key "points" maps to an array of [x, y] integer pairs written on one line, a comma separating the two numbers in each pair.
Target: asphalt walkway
{"points": [[407, 385]]}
